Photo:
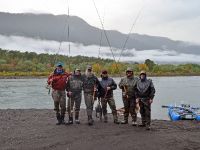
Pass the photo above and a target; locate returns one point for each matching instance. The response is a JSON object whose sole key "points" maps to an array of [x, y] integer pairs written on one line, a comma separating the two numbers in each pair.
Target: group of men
{"points": [[135, 92]]}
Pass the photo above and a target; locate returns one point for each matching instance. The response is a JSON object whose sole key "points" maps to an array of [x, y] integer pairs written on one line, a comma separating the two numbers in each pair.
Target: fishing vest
{"points": [[75, 83], [129, 84], [89, 82]]}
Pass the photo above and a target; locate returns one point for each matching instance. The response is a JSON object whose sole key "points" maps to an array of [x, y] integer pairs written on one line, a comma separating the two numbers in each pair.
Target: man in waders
{"points": [[74, 93], [128, 85], [108, 85], [58, 81], [144, 95], [90, 86]]}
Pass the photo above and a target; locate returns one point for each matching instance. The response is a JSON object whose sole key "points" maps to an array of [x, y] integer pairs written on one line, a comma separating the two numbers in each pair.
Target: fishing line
{"points": [[133, 25], [104, 31], [66, 26], [106, 36], [100, 43]]}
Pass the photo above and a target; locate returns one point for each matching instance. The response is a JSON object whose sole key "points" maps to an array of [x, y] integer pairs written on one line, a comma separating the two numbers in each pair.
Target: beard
{"points": [[88, 73]]}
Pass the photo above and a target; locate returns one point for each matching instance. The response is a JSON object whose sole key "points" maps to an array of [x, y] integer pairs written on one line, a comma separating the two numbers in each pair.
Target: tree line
{"points": [[15, 63]]}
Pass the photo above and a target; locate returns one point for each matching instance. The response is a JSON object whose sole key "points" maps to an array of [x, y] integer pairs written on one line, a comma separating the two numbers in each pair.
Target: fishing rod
{"points": [[101, 35], [60, 43], [66, 26], [69, 64], [125, 91], [102, 25], [68, 36], [143, 100], [106, 91], [128, 36], [130, 31], [104, 30]]}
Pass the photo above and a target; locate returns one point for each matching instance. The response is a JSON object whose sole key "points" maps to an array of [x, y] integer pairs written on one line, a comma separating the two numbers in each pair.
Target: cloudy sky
{"points": [[176, 19]]}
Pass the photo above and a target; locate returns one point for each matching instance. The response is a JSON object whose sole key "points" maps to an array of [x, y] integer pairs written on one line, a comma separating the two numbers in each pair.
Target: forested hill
{"points": [[15, 63], [30, 61]]}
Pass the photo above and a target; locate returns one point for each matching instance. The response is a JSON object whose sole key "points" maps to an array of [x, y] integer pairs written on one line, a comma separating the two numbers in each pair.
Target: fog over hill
{"points": [[43, 32]]}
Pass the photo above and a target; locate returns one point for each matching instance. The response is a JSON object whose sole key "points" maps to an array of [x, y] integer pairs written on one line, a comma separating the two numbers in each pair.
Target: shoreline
{"points": [[42, 77], [23, 129]]}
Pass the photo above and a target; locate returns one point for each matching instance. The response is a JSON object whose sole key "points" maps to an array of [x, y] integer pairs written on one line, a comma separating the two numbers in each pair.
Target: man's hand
{"points": [[95, 88], [137, 100], [108, 88], [150, 101]]}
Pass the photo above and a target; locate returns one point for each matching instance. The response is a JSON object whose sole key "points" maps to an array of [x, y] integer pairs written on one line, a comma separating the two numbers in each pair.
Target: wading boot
{"points": [[115, 118], [62, 118], [148, 127], [125, 121], [116, 121], [105, 118], [143, 124], [58, 118], [90, 121], [70, 121], [77, 121], [134, 123]]}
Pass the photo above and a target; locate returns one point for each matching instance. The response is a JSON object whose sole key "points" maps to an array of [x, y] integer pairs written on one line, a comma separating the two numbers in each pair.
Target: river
{"points": [[31, 93]]}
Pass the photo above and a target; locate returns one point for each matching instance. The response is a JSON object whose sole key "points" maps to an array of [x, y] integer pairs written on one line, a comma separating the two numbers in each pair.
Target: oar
{"points": [[165, 106], [190, 110]]}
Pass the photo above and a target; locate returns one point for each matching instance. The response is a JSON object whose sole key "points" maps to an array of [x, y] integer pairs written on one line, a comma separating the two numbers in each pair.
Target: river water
{"points": [[31, 93]]}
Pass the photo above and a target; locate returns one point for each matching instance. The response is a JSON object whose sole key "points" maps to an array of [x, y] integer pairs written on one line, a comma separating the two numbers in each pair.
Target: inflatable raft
{"points": [[183, 112]]}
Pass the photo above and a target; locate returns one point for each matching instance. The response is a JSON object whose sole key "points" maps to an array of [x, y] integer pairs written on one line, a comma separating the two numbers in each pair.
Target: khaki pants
{"points": [[75, 99], [89, 102], [59, 98]]}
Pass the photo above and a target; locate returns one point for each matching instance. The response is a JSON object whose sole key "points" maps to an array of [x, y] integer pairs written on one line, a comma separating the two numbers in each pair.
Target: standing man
{"points": [[108, 85], [145, 92], [58, 81], [90, 86], [128, 84], [74, 91]]}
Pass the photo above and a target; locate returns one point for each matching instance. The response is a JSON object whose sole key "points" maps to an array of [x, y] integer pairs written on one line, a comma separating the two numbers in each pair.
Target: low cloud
{"points": [[52, 47]]}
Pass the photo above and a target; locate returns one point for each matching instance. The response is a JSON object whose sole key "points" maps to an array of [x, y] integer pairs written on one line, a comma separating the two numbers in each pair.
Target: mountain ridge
{"points": [[53, 27]]}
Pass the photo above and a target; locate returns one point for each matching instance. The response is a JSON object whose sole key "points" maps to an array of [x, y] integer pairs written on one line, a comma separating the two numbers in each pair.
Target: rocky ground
{"points": [[35, 129]]}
